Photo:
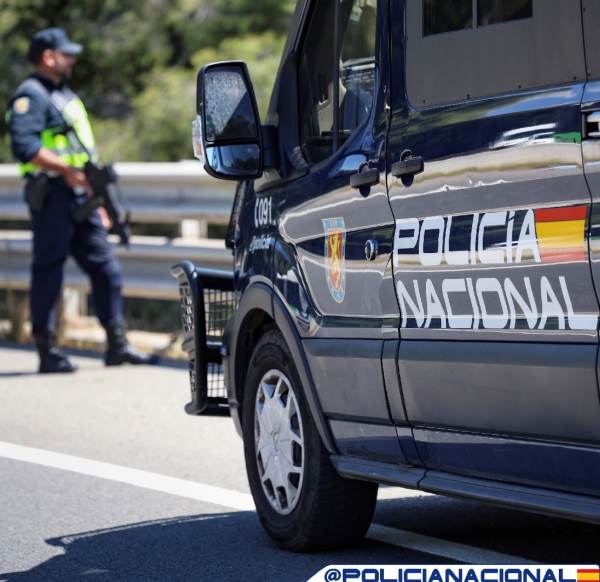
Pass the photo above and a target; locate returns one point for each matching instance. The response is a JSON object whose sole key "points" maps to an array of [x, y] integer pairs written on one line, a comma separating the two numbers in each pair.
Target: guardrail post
{"points": [[60, 328], [18, 313], [71, 307], [193, 228]]}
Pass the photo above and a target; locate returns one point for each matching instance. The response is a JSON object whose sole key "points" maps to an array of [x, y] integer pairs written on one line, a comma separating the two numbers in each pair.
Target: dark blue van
{"points": [[416, 241]]}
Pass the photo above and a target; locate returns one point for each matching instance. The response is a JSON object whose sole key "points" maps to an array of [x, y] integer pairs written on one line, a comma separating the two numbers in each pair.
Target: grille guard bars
{"points": [[207, 301]]}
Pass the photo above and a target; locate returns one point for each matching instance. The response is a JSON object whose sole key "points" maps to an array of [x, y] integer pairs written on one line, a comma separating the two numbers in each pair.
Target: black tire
{"points": [[331, 512]]}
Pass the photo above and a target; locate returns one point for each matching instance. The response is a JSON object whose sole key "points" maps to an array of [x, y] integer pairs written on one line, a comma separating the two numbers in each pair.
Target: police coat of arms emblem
{"points": [[335, 257]]}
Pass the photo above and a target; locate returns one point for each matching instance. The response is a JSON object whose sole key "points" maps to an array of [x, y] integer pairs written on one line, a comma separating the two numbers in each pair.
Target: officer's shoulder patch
{"points": [[21, 105]]}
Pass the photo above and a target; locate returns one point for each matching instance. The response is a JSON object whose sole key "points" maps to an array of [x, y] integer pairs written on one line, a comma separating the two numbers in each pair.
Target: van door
{"points": [[591, 121], [333, 257], [499, 316]]}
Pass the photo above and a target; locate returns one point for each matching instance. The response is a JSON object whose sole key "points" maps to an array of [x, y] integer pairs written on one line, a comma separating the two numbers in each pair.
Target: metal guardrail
{"points": [[146, 264], [161, 193]]}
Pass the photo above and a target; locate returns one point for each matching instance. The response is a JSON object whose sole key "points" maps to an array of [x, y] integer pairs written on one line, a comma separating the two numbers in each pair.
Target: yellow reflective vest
{"points": [[73, 142]]}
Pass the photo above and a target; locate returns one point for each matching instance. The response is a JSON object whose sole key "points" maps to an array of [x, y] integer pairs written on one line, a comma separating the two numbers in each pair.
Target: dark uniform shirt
{"points": [[30, 114]]}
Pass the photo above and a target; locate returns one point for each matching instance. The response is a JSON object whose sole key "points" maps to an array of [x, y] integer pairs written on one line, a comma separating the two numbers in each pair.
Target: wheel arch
{"points": [[260, 311]]}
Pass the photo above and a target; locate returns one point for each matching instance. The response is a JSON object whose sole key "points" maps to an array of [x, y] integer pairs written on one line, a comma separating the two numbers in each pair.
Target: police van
{"points": [[416, 241]]}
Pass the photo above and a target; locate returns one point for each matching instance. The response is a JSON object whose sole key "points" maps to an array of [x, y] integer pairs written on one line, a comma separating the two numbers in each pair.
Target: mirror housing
{"points": [[227, 135]]}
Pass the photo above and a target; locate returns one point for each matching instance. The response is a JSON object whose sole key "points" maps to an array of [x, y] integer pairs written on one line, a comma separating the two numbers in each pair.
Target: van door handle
{"points": [[408, 167], [365, 177]]}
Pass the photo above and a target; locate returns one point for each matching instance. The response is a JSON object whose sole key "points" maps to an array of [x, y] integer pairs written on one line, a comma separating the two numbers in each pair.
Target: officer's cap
{"points": [[55, 39]]}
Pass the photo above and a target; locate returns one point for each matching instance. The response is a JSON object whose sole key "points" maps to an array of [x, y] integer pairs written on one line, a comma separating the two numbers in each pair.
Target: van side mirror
{"points": [[227, 132]]}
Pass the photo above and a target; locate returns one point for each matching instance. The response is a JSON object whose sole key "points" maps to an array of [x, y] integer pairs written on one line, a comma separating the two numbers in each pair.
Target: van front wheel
{"points": [[301, 501]]}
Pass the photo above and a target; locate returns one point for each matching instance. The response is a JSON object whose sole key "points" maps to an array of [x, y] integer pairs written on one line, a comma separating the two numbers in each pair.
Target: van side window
{"points": [[316, 72], [357, 64], [443, 16], [494, 11], [336, 85], [536, 43]]}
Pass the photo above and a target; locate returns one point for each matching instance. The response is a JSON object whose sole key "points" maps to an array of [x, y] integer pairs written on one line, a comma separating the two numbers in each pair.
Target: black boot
{"points": [[52, 360], [120, 352]]}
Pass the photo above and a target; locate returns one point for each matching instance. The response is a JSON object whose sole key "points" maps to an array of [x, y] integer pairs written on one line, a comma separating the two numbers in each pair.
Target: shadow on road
{"points": [[515, 533], [227, 546], [163, 363], [233, 546], [16, 374]]}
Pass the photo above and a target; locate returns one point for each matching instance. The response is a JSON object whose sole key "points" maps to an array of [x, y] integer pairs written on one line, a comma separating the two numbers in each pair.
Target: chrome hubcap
{"points": [[279, 441]]}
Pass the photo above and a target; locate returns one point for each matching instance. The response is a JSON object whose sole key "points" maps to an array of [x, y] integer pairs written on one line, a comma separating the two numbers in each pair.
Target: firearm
{"points": [[101, 178]]}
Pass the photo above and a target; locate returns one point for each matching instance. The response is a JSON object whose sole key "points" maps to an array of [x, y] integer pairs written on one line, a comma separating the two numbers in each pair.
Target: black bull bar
{"points": [[207, 301]]}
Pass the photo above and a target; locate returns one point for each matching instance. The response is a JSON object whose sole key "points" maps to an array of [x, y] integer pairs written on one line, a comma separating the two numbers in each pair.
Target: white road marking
{"points": [[439, 547], [243, 502], [144, 479]]}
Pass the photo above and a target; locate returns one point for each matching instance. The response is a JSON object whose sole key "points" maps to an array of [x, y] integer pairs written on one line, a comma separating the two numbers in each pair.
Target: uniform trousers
{"points": [[56, 235]]}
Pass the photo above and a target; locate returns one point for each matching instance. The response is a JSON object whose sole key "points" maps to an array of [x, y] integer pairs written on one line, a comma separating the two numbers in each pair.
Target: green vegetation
{"points": [[137, 73]]}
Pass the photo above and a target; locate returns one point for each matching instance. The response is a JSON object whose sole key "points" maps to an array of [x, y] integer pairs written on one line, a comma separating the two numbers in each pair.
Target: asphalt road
{"points": [[103, 477]]}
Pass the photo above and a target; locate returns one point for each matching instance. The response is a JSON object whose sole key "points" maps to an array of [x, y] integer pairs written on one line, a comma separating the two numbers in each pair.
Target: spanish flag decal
{"points": [[561, 235], [588, 575]]}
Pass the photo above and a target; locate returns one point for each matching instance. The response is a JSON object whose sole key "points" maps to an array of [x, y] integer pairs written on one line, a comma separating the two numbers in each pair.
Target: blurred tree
{"points": [[163, 115], [137, 72], [237, 18], [158, 127]]}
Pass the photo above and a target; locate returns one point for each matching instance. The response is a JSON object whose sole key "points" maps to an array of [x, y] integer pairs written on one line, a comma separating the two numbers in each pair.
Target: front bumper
{"points": [[207, 301]]}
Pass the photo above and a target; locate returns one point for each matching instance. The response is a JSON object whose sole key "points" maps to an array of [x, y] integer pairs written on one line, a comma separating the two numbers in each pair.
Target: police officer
{"points": [[52, 138]]}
